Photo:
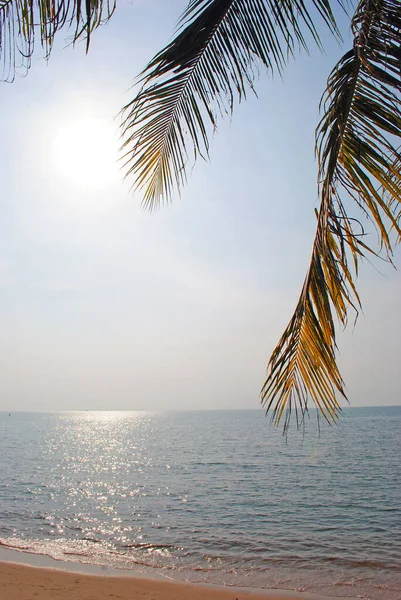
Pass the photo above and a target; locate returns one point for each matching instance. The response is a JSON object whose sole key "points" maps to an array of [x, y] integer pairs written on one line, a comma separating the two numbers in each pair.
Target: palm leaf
{"points": [[22, 22], [359, 161], [211, 63]]}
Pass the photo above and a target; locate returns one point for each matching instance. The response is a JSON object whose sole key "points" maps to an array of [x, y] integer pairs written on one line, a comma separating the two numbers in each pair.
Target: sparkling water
{"points": [[211, 496]]}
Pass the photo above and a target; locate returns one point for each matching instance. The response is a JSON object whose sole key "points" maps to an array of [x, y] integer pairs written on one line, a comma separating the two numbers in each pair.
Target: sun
{"points": [[77, 154], [83, 154]]}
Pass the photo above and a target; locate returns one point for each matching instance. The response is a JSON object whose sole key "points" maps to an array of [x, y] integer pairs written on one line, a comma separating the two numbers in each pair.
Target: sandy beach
{"points": [[195, 497], [21, 582]]}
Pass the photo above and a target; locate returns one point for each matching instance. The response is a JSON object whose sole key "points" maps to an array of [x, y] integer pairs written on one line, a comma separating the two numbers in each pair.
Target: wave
{"points": [[170, 556], [287, 574]]}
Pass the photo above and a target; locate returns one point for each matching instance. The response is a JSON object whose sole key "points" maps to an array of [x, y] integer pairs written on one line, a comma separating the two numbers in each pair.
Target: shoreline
{"points": [[24, 582], [43, 561], [25, 576]]}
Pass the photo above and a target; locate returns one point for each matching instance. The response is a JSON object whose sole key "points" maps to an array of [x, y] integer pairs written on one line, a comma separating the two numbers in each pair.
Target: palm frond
{"points": [[211, 63], [22, 22], [359, 161]]}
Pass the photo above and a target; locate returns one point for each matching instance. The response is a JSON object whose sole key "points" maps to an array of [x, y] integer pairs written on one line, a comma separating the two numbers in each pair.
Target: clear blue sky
{"points": [[103, 306]]}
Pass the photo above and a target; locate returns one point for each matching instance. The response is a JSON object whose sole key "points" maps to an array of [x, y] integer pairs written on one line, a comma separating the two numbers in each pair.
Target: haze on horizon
{"points": [[106, 307]]}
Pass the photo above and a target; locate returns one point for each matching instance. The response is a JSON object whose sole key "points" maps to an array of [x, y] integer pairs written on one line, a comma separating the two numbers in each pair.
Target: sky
{"points": [[104, 306]]}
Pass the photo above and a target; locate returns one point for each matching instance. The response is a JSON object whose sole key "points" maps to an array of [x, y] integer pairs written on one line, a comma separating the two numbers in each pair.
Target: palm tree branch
{"points": [[22, 22], [211, 63], [358, 161]]}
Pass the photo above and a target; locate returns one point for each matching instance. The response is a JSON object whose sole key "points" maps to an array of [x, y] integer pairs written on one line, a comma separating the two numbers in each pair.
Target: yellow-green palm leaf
{"points": [[357, 141], [211, 63]]}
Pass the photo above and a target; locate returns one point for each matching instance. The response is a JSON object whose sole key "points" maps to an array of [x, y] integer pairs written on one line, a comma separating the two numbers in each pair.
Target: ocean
{"points": [[210, 496]]}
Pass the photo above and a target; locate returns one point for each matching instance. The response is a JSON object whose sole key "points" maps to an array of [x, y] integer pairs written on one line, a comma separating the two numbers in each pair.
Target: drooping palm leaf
{"points": [[357, 142], [211, 62], [22, 22]]}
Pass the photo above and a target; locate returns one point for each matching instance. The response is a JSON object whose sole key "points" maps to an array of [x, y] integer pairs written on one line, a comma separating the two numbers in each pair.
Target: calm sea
{"points": [[217, 497]]}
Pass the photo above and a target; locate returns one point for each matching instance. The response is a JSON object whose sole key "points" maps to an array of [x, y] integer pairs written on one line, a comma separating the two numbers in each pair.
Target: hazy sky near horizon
{"points": [[104, 306]]}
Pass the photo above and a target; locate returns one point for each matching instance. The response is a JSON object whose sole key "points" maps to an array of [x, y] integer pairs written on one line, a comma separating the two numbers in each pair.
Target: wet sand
{"points": [[22, 582]]}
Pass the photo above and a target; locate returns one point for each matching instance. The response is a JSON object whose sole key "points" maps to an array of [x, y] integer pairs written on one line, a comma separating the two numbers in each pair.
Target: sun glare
{"points": [[84, 155]]}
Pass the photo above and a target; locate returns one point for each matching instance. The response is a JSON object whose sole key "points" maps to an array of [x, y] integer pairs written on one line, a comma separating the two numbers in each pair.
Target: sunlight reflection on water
{"points": [[212, 496]]}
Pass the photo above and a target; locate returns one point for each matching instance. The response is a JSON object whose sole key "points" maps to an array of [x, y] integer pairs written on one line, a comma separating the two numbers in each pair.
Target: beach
{"points": [[21, 582], [207, 498]]}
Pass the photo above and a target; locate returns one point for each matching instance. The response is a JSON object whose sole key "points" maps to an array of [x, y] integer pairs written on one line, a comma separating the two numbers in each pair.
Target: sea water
{"points": [[211, 496]]}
